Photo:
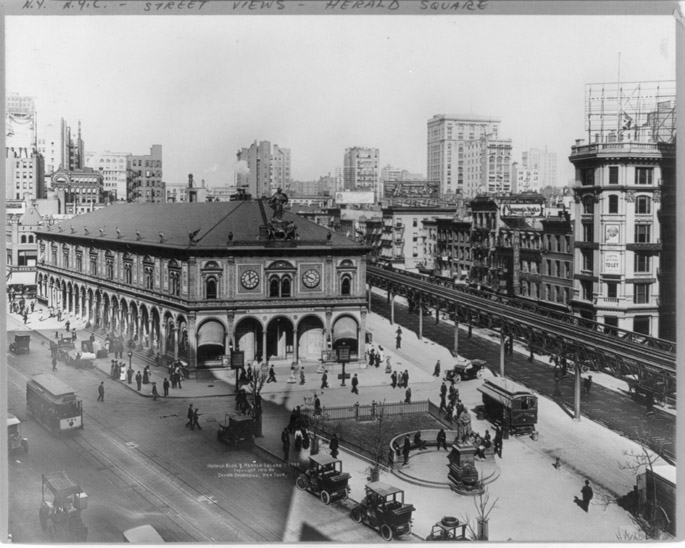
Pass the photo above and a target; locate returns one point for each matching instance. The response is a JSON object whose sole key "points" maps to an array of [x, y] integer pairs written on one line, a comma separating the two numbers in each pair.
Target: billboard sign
{"points": [[355, 197], [523, 210], [411, 189], [612, 263]]}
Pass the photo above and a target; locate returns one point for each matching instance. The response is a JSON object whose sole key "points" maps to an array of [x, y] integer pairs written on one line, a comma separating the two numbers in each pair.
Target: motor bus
{"points": [[53, 404]]}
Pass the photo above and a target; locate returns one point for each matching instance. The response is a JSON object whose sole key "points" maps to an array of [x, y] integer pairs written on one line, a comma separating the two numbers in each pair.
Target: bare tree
{"points": [[255, 387], [650, 518], [378, 448], [483, 510]]}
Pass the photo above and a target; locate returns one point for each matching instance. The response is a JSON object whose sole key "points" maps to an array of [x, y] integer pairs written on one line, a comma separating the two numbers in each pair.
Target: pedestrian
{"points": [[587, 495], [302, 374], [405, 378], [172, 376], [497, 442], [587, 384], [443, 402], [298, 439], [189, 424], [355, 383], [179, 376], [33, 305], [101, 391], [165, 386], [405, 449], [407, 395], [139, 380], [196, 422], [443, 389], [146, 374], [54, 363], [129, 375], [442, 439], [26, 317], [393, 379], [436, 371], [285, 439], [154, 391], [272, 375], [398, 338], [324, 380], [557, 387], [372, 357], [66, 326], [317, 405], [73, 335], [379, 357], [333, 446]]}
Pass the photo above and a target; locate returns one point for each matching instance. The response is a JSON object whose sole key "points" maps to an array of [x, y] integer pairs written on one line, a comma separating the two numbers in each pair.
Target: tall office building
{"points": [[625, 208], [24, 166], [487, 166], [263, 168], [448, 136], [144, 177], [112, 166], [361, 170], [545, 163], [73, 156]]}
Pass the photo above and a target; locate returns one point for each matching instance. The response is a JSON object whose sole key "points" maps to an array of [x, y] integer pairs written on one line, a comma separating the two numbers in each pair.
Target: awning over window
{"points": [[345, 328], [211, 333], [22, 278]]}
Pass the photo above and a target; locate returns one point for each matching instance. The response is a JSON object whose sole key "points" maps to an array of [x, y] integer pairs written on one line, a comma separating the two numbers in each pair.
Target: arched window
{"points": [[285, 286], [210, 288], [588, 205], [30, 238], [643, 205], [128, 276], [346, 286], [274, 287], [23, 239]]}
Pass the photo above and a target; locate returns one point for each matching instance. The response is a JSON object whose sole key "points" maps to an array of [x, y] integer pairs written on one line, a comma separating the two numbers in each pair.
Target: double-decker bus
{"points": [[53, 404]]}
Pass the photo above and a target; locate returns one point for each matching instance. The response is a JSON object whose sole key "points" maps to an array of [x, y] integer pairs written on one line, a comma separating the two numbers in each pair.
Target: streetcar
{"points": [[509, 404], [53, 404]]}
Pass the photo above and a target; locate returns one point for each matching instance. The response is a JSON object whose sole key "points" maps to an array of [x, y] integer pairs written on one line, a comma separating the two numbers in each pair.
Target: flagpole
{"points": [[620, 105]]}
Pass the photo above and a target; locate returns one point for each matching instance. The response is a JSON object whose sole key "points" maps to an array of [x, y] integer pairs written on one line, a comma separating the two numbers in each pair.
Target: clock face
{"points": [[311, 278], [249, 279]]}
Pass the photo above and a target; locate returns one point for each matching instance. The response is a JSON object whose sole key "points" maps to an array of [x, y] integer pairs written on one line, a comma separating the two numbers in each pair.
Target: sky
{"points": [[205, 86]]}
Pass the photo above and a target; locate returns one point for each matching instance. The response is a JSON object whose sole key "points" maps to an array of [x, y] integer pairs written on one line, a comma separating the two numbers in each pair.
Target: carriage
{"points": [[325, 478]]}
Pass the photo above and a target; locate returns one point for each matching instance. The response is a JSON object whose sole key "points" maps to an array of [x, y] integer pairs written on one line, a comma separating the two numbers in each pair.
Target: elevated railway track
{"points": [[649, 364]]}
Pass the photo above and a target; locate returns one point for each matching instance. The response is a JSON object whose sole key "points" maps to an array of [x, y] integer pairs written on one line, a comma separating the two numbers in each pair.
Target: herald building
{"points": [[196, 280]]}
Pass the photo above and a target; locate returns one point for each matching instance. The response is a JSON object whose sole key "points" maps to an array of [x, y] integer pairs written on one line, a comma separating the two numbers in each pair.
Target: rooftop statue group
{"points": [[278, 228]]}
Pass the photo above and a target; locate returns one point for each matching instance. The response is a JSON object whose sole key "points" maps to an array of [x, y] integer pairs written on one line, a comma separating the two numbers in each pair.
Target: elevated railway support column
{"points": [[420, 317], [369, 299], [392, 309], [502, 346], [456, 331], [470, 325]]}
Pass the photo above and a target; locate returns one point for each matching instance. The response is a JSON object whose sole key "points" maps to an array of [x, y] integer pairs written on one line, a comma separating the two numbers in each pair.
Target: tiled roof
{"points": [[171, 224]]}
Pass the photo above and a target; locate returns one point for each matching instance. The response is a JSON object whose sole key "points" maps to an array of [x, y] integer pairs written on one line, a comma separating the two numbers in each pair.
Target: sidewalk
{"points": [[525, 510]]}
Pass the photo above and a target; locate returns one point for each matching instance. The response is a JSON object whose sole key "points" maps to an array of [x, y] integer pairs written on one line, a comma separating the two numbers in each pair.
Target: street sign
{"points": [[343, 354], [342, 376], [237, 359]]}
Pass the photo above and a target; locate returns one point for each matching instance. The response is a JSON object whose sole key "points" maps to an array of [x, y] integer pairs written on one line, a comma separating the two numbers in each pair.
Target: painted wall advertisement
{"points": [[411, 189], [355, 197], [522, 210], [612, 263]]}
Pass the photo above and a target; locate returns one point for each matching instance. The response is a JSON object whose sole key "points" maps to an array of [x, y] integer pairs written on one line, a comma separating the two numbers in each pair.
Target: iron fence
{"points": [[370, 411]]}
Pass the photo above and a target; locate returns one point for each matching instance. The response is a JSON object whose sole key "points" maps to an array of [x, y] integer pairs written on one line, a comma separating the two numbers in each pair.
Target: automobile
{"points": [[383, 508], [20, 345], [143, 534], [465, 369], [325, 478], [448, 529], [14, 438], [61, 516]]}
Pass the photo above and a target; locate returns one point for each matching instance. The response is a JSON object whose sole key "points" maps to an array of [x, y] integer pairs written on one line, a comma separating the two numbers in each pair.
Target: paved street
{"points": [[609, 407], [140, 465]]}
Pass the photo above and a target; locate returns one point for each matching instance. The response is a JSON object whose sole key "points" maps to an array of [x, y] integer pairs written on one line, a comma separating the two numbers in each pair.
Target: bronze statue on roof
{"points": [[277, 201]]}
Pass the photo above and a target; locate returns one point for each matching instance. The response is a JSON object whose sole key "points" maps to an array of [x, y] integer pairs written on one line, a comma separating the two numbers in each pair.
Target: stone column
{"points": [[361, 343], [192, 340]]}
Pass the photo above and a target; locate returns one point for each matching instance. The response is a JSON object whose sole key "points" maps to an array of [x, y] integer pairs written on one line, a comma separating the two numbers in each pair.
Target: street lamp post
{"points": [[130, 356]]}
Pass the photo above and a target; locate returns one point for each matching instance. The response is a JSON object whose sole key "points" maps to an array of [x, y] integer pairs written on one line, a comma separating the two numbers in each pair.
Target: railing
{"points": [[628, 146], [370, 411]]}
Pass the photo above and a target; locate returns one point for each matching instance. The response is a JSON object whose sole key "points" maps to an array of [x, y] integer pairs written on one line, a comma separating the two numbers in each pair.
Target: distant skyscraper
{"points": [[487, 166], [524, 179], [112, 166], [447, 138], [24, 166], [361, 169], [144, 177], [72, 157], [263, 168], [544, 162]]}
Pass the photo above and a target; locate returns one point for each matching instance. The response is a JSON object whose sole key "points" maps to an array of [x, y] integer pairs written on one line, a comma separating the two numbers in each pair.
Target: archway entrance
{"points": [[310, 338], [211, 337], [279, 339], [346, 332], [248, 337]]}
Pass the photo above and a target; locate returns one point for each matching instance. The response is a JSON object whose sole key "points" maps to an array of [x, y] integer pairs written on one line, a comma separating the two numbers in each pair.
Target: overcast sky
{"points": [[203, 87]]}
